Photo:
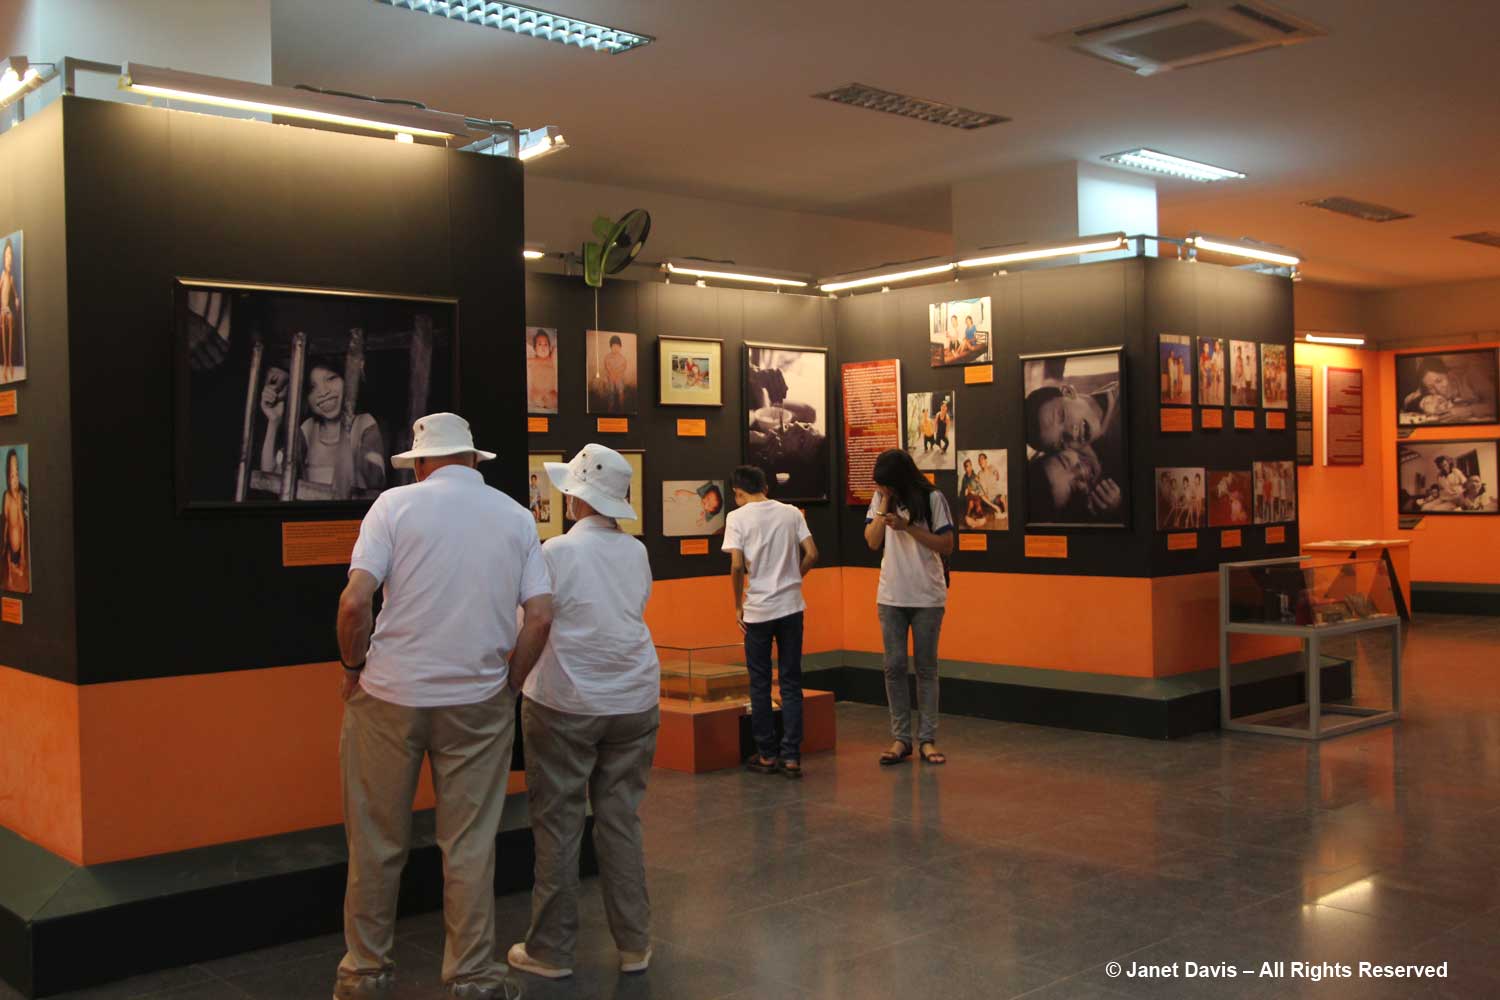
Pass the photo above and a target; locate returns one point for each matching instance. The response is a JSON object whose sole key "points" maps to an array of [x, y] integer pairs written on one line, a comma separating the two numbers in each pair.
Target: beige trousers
{"points": [[381, 750], [573, 760]]}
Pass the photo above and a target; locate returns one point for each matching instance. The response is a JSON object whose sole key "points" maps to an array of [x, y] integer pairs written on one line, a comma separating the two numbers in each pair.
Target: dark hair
{"points": [[718, 494], [896, 471], [615, 341], [1035, 400], [750, 478], [328, 362], [540, 333]]}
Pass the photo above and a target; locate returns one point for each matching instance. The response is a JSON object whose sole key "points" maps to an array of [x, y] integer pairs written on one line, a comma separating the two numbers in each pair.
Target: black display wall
{"points": [[650, 309], [153, 196]]}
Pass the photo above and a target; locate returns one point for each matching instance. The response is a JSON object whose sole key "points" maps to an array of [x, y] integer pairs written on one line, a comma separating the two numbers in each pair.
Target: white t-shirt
{"points": [[770, 535], [911, 574], [457, 558], [599, 658]]}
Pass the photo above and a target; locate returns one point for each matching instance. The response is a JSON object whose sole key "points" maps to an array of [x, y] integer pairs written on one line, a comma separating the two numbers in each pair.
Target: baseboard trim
{"points": [[1456, 598]]}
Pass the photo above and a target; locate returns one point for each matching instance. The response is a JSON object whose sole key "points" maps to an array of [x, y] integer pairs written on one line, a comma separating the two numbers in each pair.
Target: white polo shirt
{"points": [[600, 658], [457, 558], [911, 574], [770, 535]]}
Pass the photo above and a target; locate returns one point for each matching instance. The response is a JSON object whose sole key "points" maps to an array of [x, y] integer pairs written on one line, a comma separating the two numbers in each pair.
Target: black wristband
{"points": [[352, 670]]}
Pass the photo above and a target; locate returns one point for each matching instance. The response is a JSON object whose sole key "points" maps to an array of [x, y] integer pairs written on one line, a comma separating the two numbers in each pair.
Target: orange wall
{"points": [[699, 611], [39, 762]]}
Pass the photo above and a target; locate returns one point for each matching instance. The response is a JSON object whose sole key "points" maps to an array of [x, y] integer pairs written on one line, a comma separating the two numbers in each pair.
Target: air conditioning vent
{"points": [[1186, 34], [858, 95], [1368, 211], [1488, 238]]}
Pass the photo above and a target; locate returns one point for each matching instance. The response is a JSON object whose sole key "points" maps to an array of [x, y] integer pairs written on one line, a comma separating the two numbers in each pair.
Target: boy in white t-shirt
{"points": [[769, 543]]}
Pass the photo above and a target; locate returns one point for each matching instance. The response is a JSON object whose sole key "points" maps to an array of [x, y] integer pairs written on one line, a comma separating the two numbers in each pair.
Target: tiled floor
{"points": [[1036, 857]]}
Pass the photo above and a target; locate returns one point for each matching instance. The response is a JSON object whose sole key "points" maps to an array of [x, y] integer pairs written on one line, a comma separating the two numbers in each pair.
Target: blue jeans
{"points": [[787, 634], [924, 625]]}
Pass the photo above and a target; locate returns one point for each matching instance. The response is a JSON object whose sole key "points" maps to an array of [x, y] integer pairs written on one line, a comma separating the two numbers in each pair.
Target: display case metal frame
{"points": [[1311, 638]]}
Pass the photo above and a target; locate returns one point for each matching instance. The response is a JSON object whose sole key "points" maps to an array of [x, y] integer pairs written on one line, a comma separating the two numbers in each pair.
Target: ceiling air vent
{"points": [[1185, 34], [1365, 210], [1489, 238], [858, 95]]}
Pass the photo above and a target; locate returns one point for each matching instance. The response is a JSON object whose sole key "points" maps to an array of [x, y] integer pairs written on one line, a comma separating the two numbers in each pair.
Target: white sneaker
{"points": [[635, 961], [518, 959]]}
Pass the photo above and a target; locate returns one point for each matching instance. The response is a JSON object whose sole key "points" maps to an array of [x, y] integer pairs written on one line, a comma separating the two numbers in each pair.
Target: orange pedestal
{"points": [[706, 736]]}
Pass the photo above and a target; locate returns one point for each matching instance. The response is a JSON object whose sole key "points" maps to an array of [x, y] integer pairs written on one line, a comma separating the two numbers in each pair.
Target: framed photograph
{"points": [[544, 500], [1445, 477], [1175, 357], [1451, 387], [689, 371], [1275, 485], [786, 419], [931, 428], [1075, 419], [692, 507], [1244, 373], [541, 369], [15, 520], [301, 395], [613, 373], [1210, 371], [1229, 504], [1180, 497], [984, 490], [959, 332], [12, 311], [1275, 388]]}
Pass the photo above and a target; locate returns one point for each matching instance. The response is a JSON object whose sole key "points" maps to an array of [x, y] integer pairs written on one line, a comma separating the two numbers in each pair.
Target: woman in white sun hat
{"points": [[590, 720]]}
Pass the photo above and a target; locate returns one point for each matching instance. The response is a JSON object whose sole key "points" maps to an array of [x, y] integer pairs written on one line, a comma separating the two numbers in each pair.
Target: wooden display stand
{"points": [[699, 736]]}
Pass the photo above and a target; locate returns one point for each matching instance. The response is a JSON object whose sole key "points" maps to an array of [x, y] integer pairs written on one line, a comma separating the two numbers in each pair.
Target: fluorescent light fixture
{"points": [[1240, 250], [1087, 244], [17, 79], [533, 21], [1177, 166], [530, 254], [289, 102], [540, 142], [884, 279], [405, 137], [1346, 340], [694, 271]]}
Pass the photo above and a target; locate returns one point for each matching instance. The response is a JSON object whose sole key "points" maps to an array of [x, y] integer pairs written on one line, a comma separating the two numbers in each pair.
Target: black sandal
{"points": [[761, 765], [930, 754], [891, 757], [790, 769]]}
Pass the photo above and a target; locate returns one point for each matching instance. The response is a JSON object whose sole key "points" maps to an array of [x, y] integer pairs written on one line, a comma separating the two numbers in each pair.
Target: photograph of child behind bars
{"points": [[304, 396]]}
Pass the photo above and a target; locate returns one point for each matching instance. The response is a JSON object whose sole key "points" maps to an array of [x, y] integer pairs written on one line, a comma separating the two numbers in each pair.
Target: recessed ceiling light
{"points": [[1165, 163], [533, 21], [1489, 238], [1368, 211], [858, 95]]}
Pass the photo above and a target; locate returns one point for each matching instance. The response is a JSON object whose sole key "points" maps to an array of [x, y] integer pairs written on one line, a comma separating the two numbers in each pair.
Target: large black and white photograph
{"points": [[1452, 387], [299, 395], [1446, 477], [1076, 472], [786, 419]]}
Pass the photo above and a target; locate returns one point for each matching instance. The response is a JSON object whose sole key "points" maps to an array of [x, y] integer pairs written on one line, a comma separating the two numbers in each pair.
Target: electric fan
{"points": [[619, 243]]}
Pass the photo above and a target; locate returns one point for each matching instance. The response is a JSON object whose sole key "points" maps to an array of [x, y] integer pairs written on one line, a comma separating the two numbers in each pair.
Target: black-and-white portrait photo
{"points": [[303, 396], [1454, 387], [1446, 477], [1075, 440], [786, 419]]}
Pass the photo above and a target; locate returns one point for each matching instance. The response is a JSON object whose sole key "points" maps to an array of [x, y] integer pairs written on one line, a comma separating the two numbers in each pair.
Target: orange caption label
{"points": [[1275, 535], [1276, 421], [1046, 546], [979, 375], [537, 425], [8, 403], [1212, 419], [931, 477], [1244, 420], [614, 425], [972, 542], [10, 611], [1176, 421], [1231, 539], [692, 428], [1182, 541], [318, 543], [694, 547]]}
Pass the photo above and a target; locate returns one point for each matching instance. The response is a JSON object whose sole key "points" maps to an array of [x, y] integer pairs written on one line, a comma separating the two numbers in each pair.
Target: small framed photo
{"points": [[689, 371]]}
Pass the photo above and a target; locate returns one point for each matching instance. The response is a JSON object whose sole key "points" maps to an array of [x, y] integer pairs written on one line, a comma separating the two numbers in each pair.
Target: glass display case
{"points": [[704, 674], [1311, 599]]}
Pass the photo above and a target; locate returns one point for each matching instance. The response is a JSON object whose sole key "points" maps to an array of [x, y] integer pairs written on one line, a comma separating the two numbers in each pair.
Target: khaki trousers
{"points": [[572, 760], [381, 750]]}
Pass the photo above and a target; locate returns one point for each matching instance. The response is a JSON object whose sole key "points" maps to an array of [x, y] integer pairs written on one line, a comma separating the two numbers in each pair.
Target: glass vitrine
{"points": [[704, 674]]}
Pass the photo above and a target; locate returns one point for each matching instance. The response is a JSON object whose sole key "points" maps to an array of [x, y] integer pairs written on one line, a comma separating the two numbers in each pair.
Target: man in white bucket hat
{"points": [[457, 558], [590, 716]]}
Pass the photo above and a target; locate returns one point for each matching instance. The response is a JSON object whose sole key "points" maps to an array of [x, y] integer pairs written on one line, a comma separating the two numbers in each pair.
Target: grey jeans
{"points": [[602, 760], [924, 624]]}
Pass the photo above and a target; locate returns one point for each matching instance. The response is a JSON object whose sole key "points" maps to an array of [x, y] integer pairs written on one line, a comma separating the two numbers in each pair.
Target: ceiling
{"points": [[1397, 105]]}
